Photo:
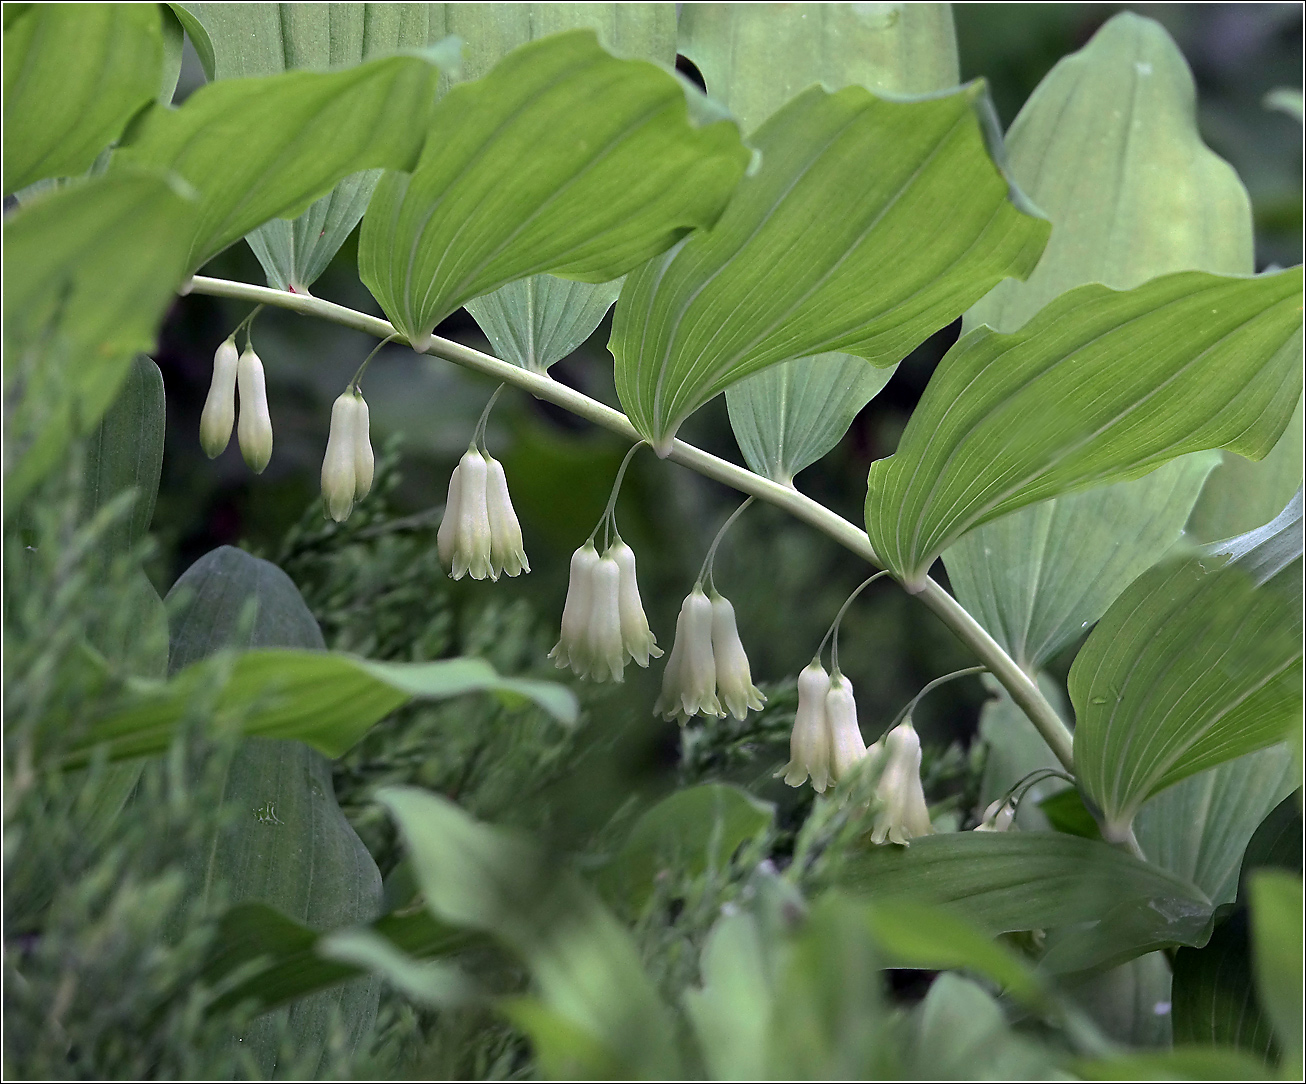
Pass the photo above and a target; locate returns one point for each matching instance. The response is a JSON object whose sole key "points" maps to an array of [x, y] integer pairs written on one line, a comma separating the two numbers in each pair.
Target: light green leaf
{"points": [[1037, 578], [1265, 552], [174, 45], [1101, 386], [690, 831], [1188, 669], [267, 39], [1181, 1063], [869, 225], [618, 172], [789, 415], [1276, 901], [1005, 881], [433, 983], [585, 965], [74, 74], [1200, 828], [90, 269], [731, 1011], [756, 57], [539, 320], [1285, 100], [265, 148], [1109, 149]]}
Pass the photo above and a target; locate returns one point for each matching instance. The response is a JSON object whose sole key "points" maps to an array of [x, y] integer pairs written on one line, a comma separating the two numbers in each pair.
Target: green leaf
{"points": [[90, 270], [539, 320], [690, 831], [174, 45], [584, 963], [1101, 386], [257, 149], [1066, 812], [1276, 901], [1035, 579], [618, 173], [73, 77], [789, 415], [433, 983], [266, 39], [756, 57], [125, 452], [869, 225], [1266, 551], [730, 1013], [1188, 669], [287, 844], [1181, 1063], [1200, 828], [1285, 100], [1131, 1003], [1004, 881]]}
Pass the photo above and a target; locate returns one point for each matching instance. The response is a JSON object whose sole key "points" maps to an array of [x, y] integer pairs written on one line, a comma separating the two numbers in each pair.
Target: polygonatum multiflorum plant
{"points": [[834, 197]]}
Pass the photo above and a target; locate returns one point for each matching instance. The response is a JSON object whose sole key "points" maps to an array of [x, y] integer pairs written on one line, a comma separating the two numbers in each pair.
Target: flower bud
{"points": [[364, 461], [734, 680], [220, 407], [254, 430], [997, 817], [572, 648], [902, 814], [636, 637], [506, 551], [847, 749], [809, 744], [607, 658], [471, 553], [689, 682], [338, 469]]}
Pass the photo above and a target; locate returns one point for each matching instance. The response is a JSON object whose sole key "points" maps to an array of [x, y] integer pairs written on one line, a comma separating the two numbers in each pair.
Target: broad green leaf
{"points": [[1014, 880], [1276, 843], [1188, 669], [584, 963], [90, 269], [1101, 386], [690, 831], [74, 74], [1266, 551], [619, 172], [125, 452], [756, 57], [1037, 578], [789, 415], [1276, 901], [1181, 1063], [257, 149], [1131, 1003], [267, 39], [1200, 828], [1016, 749], [288, 845], [1109, 149], [539, 320], [869, 225]]}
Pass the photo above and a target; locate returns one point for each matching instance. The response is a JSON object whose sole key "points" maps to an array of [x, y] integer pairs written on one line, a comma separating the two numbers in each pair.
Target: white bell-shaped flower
{"points": [[364, 460], [998, 816], [339, 470], [506, 551], [219, 413], [689, 682], [607, 654], [847, 749], [809, 743], [636, 637], [573, 646], [254, 430], [463, 540], [901, 815], [734, 680]]}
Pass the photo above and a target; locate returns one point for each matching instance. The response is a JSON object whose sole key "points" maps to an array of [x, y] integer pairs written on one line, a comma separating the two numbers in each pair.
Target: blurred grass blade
{"points": [[1276, 901], [1181, 1063], [74, 74]]}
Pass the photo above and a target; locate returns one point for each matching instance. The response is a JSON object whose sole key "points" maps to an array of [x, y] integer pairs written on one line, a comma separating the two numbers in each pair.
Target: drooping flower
{"points": [[254, 429], [219, 415], [364, 460], [998, 816], [572, 648], [463, 541], [339, 469], [734, 680], [689, 681], [847, 749], [636, 637], [603, 622], [506, 551], [809, 743], [901, 815], [607, 654]]}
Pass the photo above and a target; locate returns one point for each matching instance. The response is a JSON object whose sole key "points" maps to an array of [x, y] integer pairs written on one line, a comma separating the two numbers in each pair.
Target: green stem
{"points": [[1002, 666], [706, 570]]}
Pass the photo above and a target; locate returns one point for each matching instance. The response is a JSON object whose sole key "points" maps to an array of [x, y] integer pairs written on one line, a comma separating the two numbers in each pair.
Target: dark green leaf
{"points": [[1127, 931], [1101, 386], [1067, 813], [618, 173], [870, 224], [74, 74], [1188, 669], [1181, 1063], [1131, 1003], [1277, 842]]}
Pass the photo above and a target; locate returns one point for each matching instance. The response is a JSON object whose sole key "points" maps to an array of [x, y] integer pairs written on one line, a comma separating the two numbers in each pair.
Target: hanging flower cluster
{"points": [[708, 672], [826, 744], [901, 814], [480, 535], [998, 816], [232, 374], [348, 466]]}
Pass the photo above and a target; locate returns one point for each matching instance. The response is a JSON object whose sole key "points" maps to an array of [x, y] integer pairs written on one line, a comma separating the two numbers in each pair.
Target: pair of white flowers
{"points": [[827, 746], [708, 672], [232, 372], [479, 534]]}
